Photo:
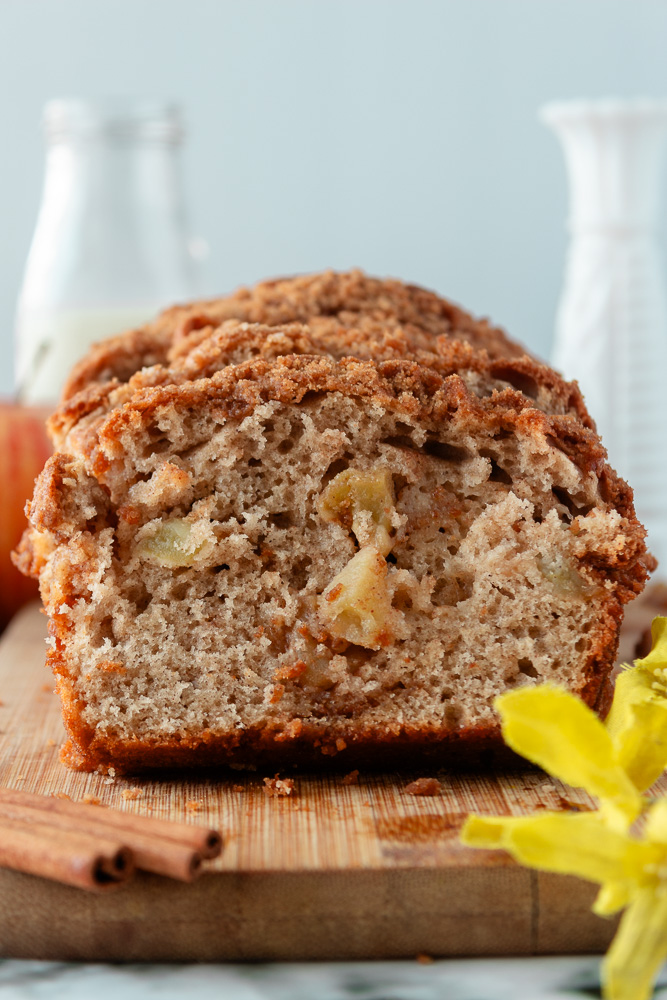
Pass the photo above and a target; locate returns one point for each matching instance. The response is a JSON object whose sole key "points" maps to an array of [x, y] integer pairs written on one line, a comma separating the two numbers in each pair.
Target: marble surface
{"points": [[478, 979]]}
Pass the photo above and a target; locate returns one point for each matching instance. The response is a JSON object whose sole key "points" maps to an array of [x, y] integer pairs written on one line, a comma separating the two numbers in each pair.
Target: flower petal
{"points": [[642, 746], [639, 948], [612, 897], [655, 829], [485, 831], [554, 729], [637, 721], [632, 687], [658, 655], [574, 844]]}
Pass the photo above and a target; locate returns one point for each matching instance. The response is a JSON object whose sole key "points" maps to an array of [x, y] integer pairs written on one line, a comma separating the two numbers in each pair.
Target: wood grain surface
{"points": [[334, 871]]}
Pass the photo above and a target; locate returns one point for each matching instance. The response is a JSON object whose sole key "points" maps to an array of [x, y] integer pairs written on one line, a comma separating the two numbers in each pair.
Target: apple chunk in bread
{"points": [[177, 541], [357, 605], [363, 502]]}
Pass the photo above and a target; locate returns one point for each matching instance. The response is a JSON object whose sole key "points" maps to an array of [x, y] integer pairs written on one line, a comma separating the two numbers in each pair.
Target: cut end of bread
{"points": [[301, 559]]}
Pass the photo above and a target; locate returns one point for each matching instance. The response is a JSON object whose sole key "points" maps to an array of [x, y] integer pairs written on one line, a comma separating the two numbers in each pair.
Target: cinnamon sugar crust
{"points": [[298, 559], [333, 303], [235, 342]]}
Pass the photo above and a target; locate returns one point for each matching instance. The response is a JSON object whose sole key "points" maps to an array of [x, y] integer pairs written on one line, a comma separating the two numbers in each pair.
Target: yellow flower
{"points": [[640, 945], [631, 871], [637, 721], [615, 762], [551, 727]]}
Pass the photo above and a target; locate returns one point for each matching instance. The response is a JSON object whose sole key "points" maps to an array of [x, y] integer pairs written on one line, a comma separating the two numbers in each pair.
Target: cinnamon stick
{"points": [[172, 849], [206, 841], [75, 858], [153, 854]]}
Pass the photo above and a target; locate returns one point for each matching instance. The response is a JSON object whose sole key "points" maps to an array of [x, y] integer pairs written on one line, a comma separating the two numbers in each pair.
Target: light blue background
{"points": [[398, 136]]}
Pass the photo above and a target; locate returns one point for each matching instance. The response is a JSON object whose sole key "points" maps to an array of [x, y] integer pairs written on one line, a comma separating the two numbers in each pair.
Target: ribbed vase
{"points": [[611, 327]]}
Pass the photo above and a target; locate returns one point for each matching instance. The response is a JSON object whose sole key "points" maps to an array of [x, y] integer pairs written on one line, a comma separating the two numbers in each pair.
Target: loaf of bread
{"points": [[264, 551]]}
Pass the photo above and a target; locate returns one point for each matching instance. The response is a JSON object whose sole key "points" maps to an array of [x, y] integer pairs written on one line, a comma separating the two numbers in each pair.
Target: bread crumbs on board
{"points": [[423, 786], [350, 779], [132, 793], [274, 787]]}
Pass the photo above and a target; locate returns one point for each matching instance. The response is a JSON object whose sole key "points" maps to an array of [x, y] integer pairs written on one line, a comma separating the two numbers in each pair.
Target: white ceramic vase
{"points": [[611, 327]]}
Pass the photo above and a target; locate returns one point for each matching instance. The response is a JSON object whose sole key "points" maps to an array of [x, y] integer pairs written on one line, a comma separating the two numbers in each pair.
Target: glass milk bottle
{"points": [[110, 247]]}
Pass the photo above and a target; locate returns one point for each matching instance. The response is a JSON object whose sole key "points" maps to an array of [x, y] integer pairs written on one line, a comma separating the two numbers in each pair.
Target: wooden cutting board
{"points": [[336, 871]]}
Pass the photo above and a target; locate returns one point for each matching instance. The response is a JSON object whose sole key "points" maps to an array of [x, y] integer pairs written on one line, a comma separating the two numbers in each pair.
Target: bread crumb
{"points": [[132, 793], [62, 795], [571, 806], [291, 731], [425, 959], [111, 667], [291, 672], [273, 693], [193, 805], [351, 779], [50, 743], [341, 745], [278, 786], [423, 786], [238, 788], [91, 800]]}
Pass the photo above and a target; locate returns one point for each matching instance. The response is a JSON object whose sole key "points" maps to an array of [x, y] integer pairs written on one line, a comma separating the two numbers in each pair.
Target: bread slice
{"points": [[331, 303], [296, 559]]}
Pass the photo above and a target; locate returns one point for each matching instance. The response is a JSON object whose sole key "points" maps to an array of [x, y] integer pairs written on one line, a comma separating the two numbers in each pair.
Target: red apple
{"points": [[24, 448]]}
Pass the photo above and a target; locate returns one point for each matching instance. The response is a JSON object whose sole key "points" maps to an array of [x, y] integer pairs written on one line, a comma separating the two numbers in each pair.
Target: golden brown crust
{"points": [[311, 748], [234, 343], [348, 296], [333, 301], [120, 357]]}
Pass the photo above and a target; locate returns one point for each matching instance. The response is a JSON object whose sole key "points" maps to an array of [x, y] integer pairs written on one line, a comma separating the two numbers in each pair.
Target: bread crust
{"points": [[335, 301], [275, 749], [235, 343]]}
